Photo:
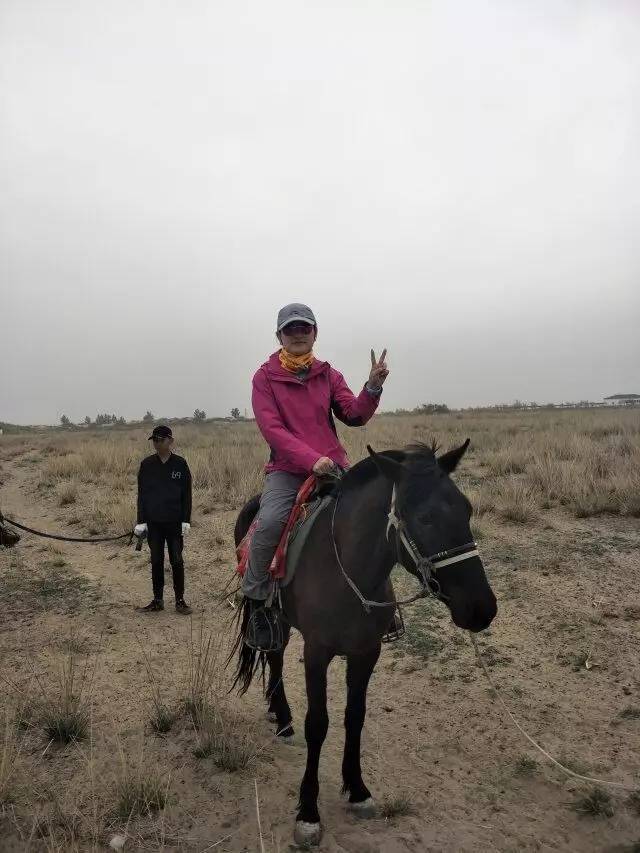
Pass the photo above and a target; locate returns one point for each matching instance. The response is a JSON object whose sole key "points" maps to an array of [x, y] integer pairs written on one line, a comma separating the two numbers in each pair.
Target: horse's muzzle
{"points": [[475, 615]]}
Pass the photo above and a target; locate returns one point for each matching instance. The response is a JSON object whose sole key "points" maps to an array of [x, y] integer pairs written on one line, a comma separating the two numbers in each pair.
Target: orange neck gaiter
{"points": [[294, 363]]}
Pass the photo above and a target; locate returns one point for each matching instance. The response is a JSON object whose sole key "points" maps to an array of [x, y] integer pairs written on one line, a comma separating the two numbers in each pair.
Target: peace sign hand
{"points": [[379, 371]]}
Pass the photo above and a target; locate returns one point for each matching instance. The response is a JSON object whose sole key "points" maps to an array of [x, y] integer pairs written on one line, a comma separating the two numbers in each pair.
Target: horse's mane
{"points": [[418, 458]]}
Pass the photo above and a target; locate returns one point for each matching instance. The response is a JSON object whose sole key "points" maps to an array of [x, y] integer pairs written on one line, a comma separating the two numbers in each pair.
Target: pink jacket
{"points": [[296, 416]]}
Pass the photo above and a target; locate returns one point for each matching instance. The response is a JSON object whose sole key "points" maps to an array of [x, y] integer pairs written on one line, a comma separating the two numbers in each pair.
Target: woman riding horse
{"points": [[295, 396], [396, 507]]}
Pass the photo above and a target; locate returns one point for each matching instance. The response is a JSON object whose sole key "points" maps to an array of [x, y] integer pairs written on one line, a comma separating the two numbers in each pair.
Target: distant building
{"points": [[623, 400]]}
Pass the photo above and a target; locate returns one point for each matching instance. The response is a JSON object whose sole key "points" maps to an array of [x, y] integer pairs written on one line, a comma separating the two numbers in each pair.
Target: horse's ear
{"points": [[449, 461], [388, 467]]}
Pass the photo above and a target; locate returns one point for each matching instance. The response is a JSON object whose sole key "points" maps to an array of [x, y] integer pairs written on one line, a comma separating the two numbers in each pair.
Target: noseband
{"points": [[425, 566]]}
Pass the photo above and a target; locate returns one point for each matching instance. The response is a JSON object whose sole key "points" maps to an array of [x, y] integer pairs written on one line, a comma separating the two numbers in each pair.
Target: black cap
{"points": [[161, 431]]}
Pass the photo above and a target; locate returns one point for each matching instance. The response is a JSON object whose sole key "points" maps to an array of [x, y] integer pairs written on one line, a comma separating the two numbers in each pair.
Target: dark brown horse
{"points": [[394, 507]]}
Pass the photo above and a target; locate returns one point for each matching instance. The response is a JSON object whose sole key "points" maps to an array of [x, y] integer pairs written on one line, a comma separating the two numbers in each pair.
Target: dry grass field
{"points": [[114, 722]]}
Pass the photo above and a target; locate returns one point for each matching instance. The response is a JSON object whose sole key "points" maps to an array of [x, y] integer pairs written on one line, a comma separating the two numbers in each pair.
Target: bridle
{"points": [[424, 566]]}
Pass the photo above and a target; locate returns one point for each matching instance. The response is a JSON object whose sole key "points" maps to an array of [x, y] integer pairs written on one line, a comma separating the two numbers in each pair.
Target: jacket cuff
{"points": [[375, 392]]}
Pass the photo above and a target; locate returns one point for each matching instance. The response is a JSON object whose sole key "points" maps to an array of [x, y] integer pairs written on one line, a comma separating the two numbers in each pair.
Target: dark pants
{"points": [[157, 534]]}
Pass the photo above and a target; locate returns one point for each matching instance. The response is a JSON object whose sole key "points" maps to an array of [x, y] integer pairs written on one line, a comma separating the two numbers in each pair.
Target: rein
{"points": [[425, 566], [65, 538]]}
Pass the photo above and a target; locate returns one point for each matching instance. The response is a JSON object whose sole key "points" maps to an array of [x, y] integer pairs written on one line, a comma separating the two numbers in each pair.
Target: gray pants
{"points": [[278, 497]]}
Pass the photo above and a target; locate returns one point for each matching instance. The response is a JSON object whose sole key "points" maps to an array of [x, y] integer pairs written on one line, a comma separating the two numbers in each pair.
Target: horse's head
{"points": [[434, 516]]}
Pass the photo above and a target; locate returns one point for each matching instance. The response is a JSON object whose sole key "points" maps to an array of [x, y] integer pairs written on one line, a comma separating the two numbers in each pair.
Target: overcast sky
{"points": [[456, 181]]}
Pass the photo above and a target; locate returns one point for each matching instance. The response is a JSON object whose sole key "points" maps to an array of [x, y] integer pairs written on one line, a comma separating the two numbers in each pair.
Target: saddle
{"points": [[312, 499]]}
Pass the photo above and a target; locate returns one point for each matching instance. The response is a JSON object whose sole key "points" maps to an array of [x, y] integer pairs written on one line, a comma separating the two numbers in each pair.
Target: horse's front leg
{"points": [[359, 669], [316, 661], [275, 694]]}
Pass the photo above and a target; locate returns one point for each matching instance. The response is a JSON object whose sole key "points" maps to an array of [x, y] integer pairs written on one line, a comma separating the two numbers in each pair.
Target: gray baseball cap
{"points": [[293, 312]]}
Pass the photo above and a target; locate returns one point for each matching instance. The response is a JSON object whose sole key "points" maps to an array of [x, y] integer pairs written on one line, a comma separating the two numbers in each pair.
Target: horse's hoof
{"points": [[286, 733], [288, 739], [307, 834], [366, 808]]}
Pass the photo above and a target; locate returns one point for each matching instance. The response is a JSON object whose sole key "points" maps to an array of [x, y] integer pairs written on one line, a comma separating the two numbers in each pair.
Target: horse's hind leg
{"points": [[275, 693], [359, 669]]}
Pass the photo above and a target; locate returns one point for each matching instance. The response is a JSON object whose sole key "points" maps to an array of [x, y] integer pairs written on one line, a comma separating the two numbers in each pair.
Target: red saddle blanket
{"points": [[278, 565]]}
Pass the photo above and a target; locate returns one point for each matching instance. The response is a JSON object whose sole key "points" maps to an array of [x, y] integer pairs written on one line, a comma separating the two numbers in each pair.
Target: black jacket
{"points": [[164, 490]]}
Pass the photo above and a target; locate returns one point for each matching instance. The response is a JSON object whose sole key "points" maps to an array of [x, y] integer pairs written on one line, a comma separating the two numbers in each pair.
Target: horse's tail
{"points": [[249, 660]]}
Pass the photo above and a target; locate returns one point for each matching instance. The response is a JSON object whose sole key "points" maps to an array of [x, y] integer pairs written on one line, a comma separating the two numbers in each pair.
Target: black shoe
{"points": [[183, 607], [395, 630], [154, 605], [264, 628]]}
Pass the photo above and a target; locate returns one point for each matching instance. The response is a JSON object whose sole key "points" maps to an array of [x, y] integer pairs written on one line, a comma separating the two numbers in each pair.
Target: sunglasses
{"points": [[298, 329], [158, 438]]}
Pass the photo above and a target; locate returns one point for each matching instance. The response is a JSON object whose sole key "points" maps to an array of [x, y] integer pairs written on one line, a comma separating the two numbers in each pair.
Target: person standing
{"points": [[164, 514]]}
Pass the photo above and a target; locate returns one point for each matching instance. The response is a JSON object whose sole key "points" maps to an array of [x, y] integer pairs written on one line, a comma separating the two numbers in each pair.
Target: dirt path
{"points": [[433, 732]]}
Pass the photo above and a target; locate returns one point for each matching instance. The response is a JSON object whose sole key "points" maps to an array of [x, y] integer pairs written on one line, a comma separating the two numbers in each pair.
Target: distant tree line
{"points": [[200, 416], [423, 409], [100, 420], [104, 419], [521, 405]]}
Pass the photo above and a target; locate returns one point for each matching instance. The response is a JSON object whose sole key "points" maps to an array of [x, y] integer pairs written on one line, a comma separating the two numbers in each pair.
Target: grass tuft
{"points": [[226, 739], [516, 502], [66, 723], [67, 494], [9, 756], [597, 803], [162, 718], [631, 712], [140, 797], [65, 717], [139, 789], [633, 801], [525, 766], [204, 679], [419, 639], [398, 806]]}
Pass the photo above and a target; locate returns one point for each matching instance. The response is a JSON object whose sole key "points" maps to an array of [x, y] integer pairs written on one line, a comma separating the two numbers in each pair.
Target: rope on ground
{"points": [[64, 538], [533, 742]]}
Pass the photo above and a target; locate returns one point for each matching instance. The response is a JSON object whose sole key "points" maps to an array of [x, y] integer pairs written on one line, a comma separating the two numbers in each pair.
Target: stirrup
{"points": [[264, 631], [396, 630]]}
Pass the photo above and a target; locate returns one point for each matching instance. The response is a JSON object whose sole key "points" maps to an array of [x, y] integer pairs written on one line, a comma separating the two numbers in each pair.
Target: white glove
{"points": [[140, 529], [186, 527]]}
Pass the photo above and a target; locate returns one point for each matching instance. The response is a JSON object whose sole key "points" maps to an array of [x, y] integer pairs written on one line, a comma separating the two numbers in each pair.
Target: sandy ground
{"points": [[567, 590]]}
